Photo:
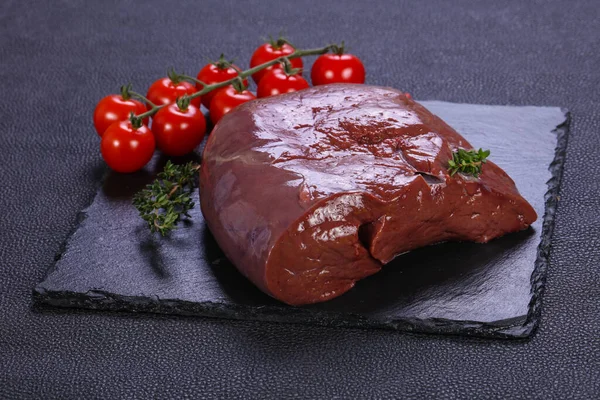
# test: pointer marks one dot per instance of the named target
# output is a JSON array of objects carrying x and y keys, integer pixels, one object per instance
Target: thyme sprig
[
  {"x": 468, "y": 162},
  {"x": 165, "y": 201}
]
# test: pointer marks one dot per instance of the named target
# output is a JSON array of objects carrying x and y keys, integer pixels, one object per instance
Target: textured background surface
[{"x": 59, "y": 58}]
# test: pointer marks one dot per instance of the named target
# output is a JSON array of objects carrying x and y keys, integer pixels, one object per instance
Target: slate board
[{"x": 112, "y": 262}]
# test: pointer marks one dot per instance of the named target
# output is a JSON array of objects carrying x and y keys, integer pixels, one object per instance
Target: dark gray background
[{"x": 58, "y": 58}]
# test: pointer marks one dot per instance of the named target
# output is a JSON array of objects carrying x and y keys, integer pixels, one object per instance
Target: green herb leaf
[
  {"x": 163, "y": 202},
  {"x": 468, "y": 162}
]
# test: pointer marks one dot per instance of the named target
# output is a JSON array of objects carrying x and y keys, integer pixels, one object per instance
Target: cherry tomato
[
  {"x": 278, "y": 81},
  {"x": 165, "y": 91},
  {"x": 225, "y": 100},
  {"x": 270, "y": 51},
  {"x": 216, "y": 72},
  {"x": 125, "y": 148},
  {"x": 337, "y": 68},
  {"x": 178, "y": 130},
  {"x": 113, "y": 108}
]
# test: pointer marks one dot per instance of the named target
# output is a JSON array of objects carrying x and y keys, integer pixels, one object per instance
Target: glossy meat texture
[{"x": 308, "y": 192}]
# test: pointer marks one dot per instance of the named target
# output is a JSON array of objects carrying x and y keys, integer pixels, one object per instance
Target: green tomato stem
[
  {"x": 183, "y": 102},
  {"x": 142, "y": 97},
  {"x": 173, "y": 76},
  {"x": 126, "y": 92},
  {"x": 222, "y": 63},
  {"x": 242, "y": 75},
  {"x": 191, "y": 78},
  {"x": 136, "y": 122}
]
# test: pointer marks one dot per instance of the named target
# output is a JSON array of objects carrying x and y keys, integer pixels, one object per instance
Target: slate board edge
[
  {"x": 538, "y": 276},
  {"x": 516, "y": 328},
  {"x": 103, "y": 301}
]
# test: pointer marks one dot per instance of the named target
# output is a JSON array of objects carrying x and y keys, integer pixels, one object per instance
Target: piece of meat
[{"x": 308, "y": 192}]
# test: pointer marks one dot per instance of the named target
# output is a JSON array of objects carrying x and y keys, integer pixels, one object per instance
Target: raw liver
[{"x": 308, "y": 192}]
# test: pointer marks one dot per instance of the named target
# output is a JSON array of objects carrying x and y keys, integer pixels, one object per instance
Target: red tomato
[
  {"x": 113, "y": 108},
  {"x": 215, "y": 73},
  {"x": 225, "y": 100},
  {"x": 165, "y": 91},
  {"x": 337, "y": 68},
  {"x": 278, "y": 81},
  {"x": 125, "y": 148},
  {"x": 271, "y": 51},
  {"x": 178, "y": 131}
]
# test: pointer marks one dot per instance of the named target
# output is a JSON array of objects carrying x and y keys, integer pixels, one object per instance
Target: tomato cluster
[{"x": 178, "y": 124}]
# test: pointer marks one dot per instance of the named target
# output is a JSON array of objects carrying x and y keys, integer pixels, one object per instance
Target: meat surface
[{"x": 309, "y": 192}]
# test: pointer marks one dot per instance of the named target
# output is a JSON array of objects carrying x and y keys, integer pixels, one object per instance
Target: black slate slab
[{"x": 111, "y": 261}]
